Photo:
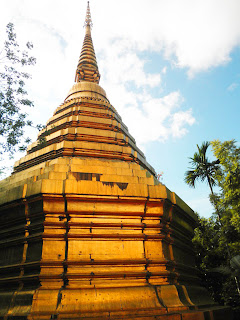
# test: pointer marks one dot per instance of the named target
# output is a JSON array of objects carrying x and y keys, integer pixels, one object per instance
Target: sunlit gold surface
[
  {"x": 87, "y": 231},
  {"x": 87, "y": 69},
  {"x": 89, "y": 89},
  {"x": 96, "y": 238}
]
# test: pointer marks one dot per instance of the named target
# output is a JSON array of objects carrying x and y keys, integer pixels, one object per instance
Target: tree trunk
[{"x": 215, "y": 204}]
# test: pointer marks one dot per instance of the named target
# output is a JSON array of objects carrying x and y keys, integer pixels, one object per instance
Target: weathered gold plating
[{"x": 87, "y": 231}]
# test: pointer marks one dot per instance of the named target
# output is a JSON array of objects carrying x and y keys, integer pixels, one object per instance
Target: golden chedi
[{"x": 87, "y": 231}]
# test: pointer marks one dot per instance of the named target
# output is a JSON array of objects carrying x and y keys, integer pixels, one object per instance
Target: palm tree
[{"x": 202, "y": 169}]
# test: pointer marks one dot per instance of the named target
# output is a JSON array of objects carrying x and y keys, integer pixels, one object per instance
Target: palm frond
[
  {"x": 201, "y": 168},
  {"x": 222, "y": 269},
  {"x": 235, "y": 262},
  {"x": 204, "y": 147},
  {"x": 190, "y": 177}
]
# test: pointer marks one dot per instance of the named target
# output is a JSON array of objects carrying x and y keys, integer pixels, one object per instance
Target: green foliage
[
  {"x": 44, "y": 132},
  {"x": 233, "y": 270},
  {"x": 228, "y": 180},
  {"x": 212, "y": 255},
  {"x": 13, "y": 95},
  {"x": 217, "y": 239}
]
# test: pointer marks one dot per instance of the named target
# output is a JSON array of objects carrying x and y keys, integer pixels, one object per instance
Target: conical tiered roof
[
  {"x": 86, "y": 124},
  {"x": 87, "y": 69}
]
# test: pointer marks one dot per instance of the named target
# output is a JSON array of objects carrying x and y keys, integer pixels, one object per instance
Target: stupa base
[
  {"x": 97, "y": 239},
  {"x": 167, "y": 302},
  {"x": 217, "y": 313}
]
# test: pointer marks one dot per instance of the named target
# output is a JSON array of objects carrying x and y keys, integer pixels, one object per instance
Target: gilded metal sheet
[{"x": 87, "y": 231}]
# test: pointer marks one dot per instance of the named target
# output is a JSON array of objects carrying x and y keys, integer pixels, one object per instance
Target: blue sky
[
  {"x": 171, "y": 69},
  {"x": 214, "y": 96}
]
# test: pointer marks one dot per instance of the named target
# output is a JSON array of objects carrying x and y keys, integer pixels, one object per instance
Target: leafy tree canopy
[
  {"x": 228, "y": 180},
  {"x": 13, "y": 94},
  {"x": 217, "y": 239},
  {"x": 211, "y": 254},
  {"x": 228, "y": 199}
]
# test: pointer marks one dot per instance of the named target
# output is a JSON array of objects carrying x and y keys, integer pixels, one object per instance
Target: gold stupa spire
[
  {"x": 88, "y": 19},
  {"x": 87, "y": 69}
]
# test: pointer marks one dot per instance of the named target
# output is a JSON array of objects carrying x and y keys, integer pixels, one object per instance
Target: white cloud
[
  {"x": 192, "y": 34},
  {"x": 151, "y": 119},
  {"x": 233, "y": 86},
  {"x": 119, "y": 67},
  {"x": 180, "y": 119},
  {"x": 164, "y": 70},
  {"x": 196, "y": 35}
]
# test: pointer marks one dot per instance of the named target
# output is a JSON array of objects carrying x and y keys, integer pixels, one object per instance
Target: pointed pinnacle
[
  {"x": 88, "y": 19},
  {"x": 87, "y": 69}
]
